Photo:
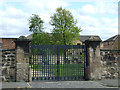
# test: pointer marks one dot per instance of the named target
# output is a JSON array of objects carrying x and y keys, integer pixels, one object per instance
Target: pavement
[
  {"x": 110, "y": 82},
  {"x": 62, "y": 84}
]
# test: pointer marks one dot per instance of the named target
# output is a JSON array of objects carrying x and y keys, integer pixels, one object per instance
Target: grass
[{"x": 64, "y": 69}]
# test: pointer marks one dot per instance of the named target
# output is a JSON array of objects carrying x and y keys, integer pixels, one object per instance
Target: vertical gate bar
[
  {"x": 62, "y": 64},
  {"x": 54, "y": 66},
  {"x": 31, "y": 57},
  {"x": 42, "y": 63},
  {"x": 85, "y": 57},
  {"x": 33, "y": 63},
  {"x": 83, "y": 62},
  {"x": 81, "y": 66},
  {"x": 38, "y": 68},
  {"x": 77, "y": 68},
  {"x": 58, "y": 63},
  {"x": 77, "y": 65},
  {"x": 74, "y": 62},
  {"x": 52, "y": 61},
  {"x": 37, "y": 62},
  {"x": 45, "y": 62},
  {"x": 74, "y": 65},
  {"x": 67, "y": 64},
  {"x": 48, "y": 63}
]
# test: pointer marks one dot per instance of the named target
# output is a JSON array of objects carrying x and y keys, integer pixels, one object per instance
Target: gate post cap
[{"x": 22, "y": 39}]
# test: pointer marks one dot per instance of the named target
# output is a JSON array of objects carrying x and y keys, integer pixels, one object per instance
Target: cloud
[
  {"x": 104, "y": 26},
  {"x": 14, "y": 19},
  {"x": 13, "y": 22},
  {"x": 94, "y": 18},
  {"x": 87, "y": 9}
]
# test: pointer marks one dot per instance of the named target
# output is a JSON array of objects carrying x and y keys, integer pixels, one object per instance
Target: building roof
[
  {"x": 29, "y": 37},
  {"x": 82, "y": 38},
  {"x": 112, "y": 38}
]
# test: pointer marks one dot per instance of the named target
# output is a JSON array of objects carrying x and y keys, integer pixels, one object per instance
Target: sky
[{"x": 95, "y": 17}]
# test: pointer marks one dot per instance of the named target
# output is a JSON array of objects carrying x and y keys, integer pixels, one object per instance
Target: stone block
[{"x": 22, "y": 65}]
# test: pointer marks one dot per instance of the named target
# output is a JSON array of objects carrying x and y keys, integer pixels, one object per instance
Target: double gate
[{"x": 58, "y": 62}]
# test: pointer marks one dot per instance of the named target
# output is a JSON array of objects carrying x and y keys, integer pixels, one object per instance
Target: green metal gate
[{"x": 58, "y": 62}]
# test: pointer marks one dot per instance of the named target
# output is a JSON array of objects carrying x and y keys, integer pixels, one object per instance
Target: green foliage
[
  {"x": 35, "y": 24},
  {"x": 39, "y": 37},
  {"x": 65, "y": 31}
]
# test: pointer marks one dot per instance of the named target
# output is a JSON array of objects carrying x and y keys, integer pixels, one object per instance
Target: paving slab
[
  {"x": 110, "y": 82},
  {"x": 58, "y": 84}
]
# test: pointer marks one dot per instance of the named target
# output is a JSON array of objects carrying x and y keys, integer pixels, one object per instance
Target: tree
[
  {"x": 65, "y": 31},
  {"x": 39, "y": 37},
  {"x": 35, "y": 24}
]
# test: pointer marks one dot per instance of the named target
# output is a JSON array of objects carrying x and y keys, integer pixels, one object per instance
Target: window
[{"x": 78, "y": 44}]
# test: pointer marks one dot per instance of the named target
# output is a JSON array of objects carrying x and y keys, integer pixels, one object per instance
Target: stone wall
[
  {"x": 8, "y": 64},
  {"x": 109, "y": 61},
  {"x": 15, "y": 62}
]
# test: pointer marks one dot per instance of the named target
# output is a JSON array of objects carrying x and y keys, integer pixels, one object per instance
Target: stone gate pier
[{"x": 23, "y": 71}]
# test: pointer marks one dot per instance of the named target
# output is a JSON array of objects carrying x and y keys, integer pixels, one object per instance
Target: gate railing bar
[
  {"x": 41, "y": 74},
  {"x": 42, "y": 63},
  {"x": 84, "y": 60},
  {"x": 52, "y": 65},
  {"x": 33, "y": 64},
  {"x": 58, "y": 67},
  {"x": 48, "y": 63},
  {"x": 67, "y": 63},
  {"x": 38, "y": 69}
]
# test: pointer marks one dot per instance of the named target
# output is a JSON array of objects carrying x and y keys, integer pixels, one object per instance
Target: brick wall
[
  {"x": 108, "y": 45},
  {"x": 8, "y": 43}
]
